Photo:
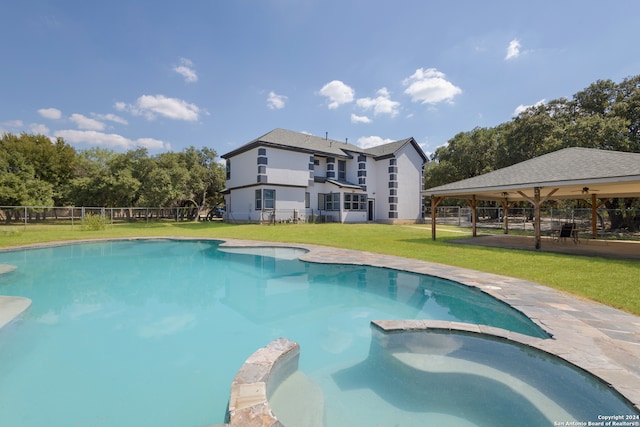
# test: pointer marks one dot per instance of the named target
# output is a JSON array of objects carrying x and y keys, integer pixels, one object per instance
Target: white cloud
[
  {"x": 87, "y": 123},
  {"x": 372, "y": 141},
  {"x": 275, "y": 101},
  {"x": 108, "y": 140},
  {"x": 382, "y": 104},
  {"x": 513, "y": 51},
  {"x": 152, "y": 105},
  {"x": 185, "y": 69},
  {"x": 110, "y": 117},
  {"x": 338, "y": 93},
  {"x": 50, "y": 113},
  {"x": 360, "y": 119},
  {"x": 13, "y": 123},
  {"x": 522, "y": 108},
  {"x": 430, "y": 87},
  {"x": 38, "y": 129}
]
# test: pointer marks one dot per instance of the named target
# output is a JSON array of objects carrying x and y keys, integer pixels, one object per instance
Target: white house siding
[
  {"x": 240, "y": 205},
  {"x": 288, "y": 167},
  {"x": 244, "y": 169},
  {"x": 409, "y": 184},
  {"x": 289, "y": 204},
  {"x": 379, "y": 179}
]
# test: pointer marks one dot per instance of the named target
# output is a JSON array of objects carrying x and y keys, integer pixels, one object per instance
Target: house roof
[
  {"x": 297, "y": 141},
  {"x": 571, "y": 173}
]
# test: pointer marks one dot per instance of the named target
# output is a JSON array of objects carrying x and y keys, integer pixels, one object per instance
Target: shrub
[{"x": 94, "y": 222}]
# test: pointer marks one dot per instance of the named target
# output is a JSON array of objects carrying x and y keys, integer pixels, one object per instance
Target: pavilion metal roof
[{"x": 570, "y": 173}]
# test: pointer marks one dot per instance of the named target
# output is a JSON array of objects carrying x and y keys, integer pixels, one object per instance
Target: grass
[{"x": 612, "y": 282}]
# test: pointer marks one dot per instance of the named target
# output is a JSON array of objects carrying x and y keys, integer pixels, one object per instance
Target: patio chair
[{"x": 568, "y": 230}]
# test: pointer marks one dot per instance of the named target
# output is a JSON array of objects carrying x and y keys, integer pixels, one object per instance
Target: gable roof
[
  {"x": 297, "y": 141},
  {"x": 387, "y": 150},
  {"x": 571, "y": 172}
]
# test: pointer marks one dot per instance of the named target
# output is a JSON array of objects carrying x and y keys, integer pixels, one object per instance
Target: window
[
  {"x": 393, "y": 162},
  {"x": 228, "y": 169},
  {"x": 269, "y": 199},
  {"x": 393, "y": 192},
  {"x": 342, "y": 170},
  {"x": 330, "y": 170},
  {"x": 362, "y": 158},
  {"x": 329, "y": 201},
  {"x": 265, "y": 199},
  {"x": 307, "y": 200},
  {"x": 258, "y": 200},
  {"x": 355, "y": 202},
  {"x": 362, "y": 165},
  {"x": 393, "y": 169},
  {"x": 262, "y": 170},
  {"x": 362, "y": 173},
  {"x": 262, "y": 160},
  {"x": 393, "y": 177},
  {"x": 393, "y": 184},
  {"x": 262, "y": 151}
]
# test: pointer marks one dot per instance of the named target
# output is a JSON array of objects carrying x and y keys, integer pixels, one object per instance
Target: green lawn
[{"x": 613, "y": 282}]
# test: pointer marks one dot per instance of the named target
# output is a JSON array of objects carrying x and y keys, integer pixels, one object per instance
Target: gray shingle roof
[
  {"x": 298, "y": 141},
  {"x": 567, "y": 170}
]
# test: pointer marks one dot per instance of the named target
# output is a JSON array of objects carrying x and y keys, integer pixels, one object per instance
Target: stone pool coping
[{"x": 597, "y": 338}]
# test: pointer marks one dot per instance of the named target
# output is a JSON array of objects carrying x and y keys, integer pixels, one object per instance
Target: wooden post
[
  {"x": 536, "y": 219},
  {"x": 594, "y": 214},
  {"x": 435, "y": 201},
  {"x": 536, "y": 201},
  {"x": 473, "y": 203},
  {"x": 505, "y": 207},
  {"x": 594, "y": 217}
]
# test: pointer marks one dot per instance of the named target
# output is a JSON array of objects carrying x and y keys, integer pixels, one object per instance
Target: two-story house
[{"x": 291, "y": 176}]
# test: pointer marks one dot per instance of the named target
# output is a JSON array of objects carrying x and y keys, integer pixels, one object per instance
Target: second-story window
[{"x": 342, "y": 170}]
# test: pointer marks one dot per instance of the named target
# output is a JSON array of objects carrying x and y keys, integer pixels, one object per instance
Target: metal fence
[
  {"x": 25, "y": 215},
  {"x": 522, "y": 218}
]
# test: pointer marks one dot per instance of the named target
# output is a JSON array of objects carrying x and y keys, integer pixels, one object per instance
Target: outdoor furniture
[{"x": 568, "y": 231}]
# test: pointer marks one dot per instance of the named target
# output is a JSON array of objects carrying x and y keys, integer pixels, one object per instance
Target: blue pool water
[{"x": 141, "y": 333}]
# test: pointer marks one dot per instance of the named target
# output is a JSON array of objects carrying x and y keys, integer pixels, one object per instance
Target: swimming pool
[{"x": 152, "y": 332}]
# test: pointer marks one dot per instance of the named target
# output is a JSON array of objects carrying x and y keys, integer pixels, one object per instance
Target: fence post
[{"x": 25, "y": 217}]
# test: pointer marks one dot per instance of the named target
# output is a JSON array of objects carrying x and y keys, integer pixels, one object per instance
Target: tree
[
  {"x": 466, "y": 155},
  {"x": 45, "y": 167}
]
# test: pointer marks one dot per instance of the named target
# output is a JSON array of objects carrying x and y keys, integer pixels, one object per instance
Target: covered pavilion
[{"x": 571, "y": 173}]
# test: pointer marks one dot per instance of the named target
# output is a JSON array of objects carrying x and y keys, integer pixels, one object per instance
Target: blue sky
[{"x": 167, "y": 75}]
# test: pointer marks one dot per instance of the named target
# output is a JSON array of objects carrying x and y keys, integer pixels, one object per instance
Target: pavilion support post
[
  {"x": 537, "y": 201},
  {"x": 594, "y": 214},
  {"x": 505, "y": 207},
  {"x": 536, "y": 217},
  {"x": 473, "y": 202},
  {"x": 435, "y": 201},
  {"x": 594, "y": 217}
]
